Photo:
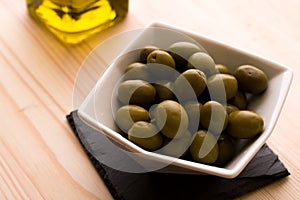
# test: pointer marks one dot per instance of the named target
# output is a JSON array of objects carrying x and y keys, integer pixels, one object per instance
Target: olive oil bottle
[{"x": 74, "y": 20}]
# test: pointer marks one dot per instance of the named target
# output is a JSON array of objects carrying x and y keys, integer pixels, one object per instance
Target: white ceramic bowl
[{"x": 97, "y": 112}]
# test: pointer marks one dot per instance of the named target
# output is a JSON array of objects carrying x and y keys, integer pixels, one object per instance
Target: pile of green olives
[{"x": 180, "y": 101}]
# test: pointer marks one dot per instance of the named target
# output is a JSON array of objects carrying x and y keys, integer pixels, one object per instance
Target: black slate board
[{"x": 263, "y": 169}]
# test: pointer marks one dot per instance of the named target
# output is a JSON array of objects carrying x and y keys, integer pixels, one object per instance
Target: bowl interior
[{"x": 98, "y": 108}]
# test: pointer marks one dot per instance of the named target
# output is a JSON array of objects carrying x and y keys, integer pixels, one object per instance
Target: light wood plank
[
  {"x": 42, "y": 80},
  {"x": 59, "y": 145}
]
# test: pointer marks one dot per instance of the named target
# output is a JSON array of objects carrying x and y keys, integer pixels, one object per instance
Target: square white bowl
[{"x": 268, "y": 105}]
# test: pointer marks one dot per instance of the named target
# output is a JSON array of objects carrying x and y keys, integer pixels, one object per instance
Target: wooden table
[{"x": 39, "y": 156}]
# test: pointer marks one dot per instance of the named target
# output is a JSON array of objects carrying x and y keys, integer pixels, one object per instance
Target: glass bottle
[{"x": 74, "y": 20}]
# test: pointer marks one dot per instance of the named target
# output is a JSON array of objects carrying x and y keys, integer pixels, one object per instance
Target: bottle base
[{"x": 72, "y": 25}]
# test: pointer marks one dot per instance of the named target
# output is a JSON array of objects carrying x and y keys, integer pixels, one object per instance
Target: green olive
[
  {"x": 191, "y": 83},
  {"x": 181, "y": 51},
  {"x": 204, "y": 148},
  {"x": 136, "y": 92},
  {"x": 244, "y": 124},
  {"x": 222, "y": 86},
  {"x": 145, "y": 135},
  {"x": 203, "y": 62},
  {"x": 226, "y": 149},
  {"x": 146, "y": 51},
  {"x": 213, "y": 116},
  {"x": 164, "y": 90},
  {"x": 231, "y": 108},
  {"x": 188, "y": 93},
  {"x": 136, "y": 70},
  {"x": 222, "y": 69},
  {"x": 161, "y": 57},
  {"x": 171, "y": 118},
  {"x": 239, "y": 100},
  {"x": 128, "y": 114},
  {"x": 251, "y": 79},
  {"x": 193, "y": 109}
]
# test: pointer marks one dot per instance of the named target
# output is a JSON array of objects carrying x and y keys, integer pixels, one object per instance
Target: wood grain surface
[{"x": 39, "y": 156}]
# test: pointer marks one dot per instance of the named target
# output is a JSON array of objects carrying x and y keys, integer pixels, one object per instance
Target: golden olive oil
[{"x": 74, "y": 20}]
